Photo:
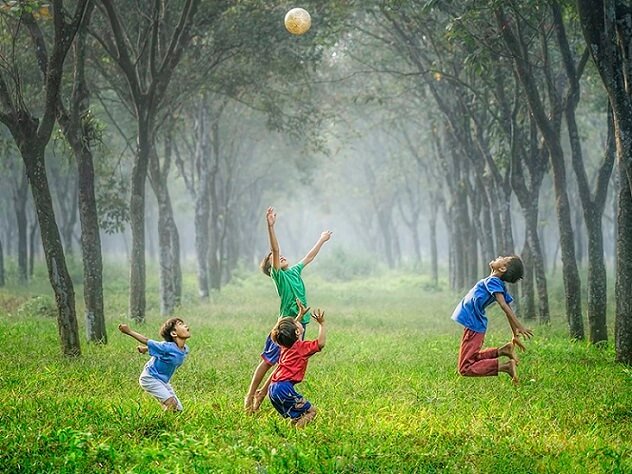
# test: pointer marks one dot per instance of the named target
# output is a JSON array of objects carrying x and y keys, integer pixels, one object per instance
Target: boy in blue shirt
[
  {"x": 470, "y": 313},
  {"x": 166, "y": 357}
]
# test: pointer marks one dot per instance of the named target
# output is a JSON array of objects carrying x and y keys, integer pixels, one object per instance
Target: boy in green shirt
[{"x": 290, "y": 287}]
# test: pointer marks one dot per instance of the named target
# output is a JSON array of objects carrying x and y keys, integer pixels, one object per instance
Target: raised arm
[
  {"x": 324, "y": 237},
  {"x": 124, "y": 328},
  {"x": 274, "y": 244},
  {"x": 516, "y": 327},
  {"x": 319, "y": 316}
]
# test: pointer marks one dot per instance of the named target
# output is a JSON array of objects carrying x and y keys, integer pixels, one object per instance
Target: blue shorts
[
  {"x": 287, "y": 401},
  {"x": 271, "y": 351}
]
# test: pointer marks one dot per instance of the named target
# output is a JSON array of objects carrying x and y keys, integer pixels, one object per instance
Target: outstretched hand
[
  {"x": 319, "y": 316},
  {"x": 325, "y": 235},
  {"x": 270, "y": 216},
  {"x": 301, "y": 309},
  {"x": 142, "y": 349},
  {"x": 524, "y": 332}
]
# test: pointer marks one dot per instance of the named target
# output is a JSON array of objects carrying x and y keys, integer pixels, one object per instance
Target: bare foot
[
  {"x": 248, "y": 402},
  {"x": 508, "y": 350},
  {"x": 509, "y": 367},
  {"x": 303, "y": 420},
  {"x": 260, "y": 396}
]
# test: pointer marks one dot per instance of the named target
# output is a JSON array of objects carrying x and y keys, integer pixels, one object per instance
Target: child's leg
[
  {"x": 269, "y": 356},
  {"x": 161, "y": 391},
  {"x": 257, "y": 377},
  {"x": 306, "y": 418},
  {"x": 473, "y": 361}
]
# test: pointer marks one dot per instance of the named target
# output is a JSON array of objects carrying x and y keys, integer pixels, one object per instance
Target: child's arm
[
  {"x": 274, "y": 243},
  {"x": 516, "y": 327},
  {"x": 319, "y": 316},
  {"x": 124, "y": 328},
  {"x": 324, "y": 237}
]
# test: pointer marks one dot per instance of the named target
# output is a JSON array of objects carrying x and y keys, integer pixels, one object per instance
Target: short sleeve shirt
[
  {"x": 289, "y": 285},
  {"x": 470, "y": 312},
  {"x": 166, "y": 357},
  {"x": 293, "y": 361}
]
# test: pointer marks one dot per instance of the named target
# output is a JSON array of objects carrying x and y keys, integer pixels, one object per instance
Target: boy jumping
[{"x": 470, "y": 313}]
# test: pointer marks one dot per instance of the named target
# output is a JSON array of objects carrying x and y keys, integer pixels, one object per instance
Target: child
[
  {"x": 470, "y": 313},
  {"x": 290, "y": 288},
  {"x": 166, "y": 357},
  {"x": 288, "y": 333}
]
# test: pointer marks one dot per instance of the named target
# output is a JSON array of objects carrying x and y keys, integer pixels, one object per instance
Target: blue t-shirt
[
  {"x": 166, "y": 357},
  {"x": 470, "y": 312}
]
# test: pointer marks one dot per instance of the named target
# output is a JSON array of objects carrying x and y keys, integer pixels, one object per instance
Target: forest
[{"x": 141, "y": 143}]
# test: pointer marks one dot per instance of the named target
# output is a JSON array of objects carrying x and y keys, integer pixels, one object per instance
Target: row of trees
[{"x": 439, "y": 111}]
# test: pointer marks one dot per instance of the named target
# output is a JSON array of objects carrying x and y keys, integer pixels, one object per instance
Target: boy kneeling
[{"x": 292, "y": 365}]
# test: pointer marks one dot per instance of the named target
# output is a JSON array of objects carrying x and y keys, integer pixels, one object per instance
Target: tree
[
  {"x": 605, "y": 25},
  {"x": 32, "y": 134}
]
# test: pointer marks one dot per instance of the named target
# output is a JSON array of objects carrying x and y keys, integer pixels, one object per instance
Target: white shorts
[{"x": 160, "y": 390}]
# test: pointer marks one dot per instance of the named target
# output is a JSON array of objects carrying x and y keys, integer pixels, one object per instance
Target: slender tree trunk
[
  {"x": 526, "y": 286},
  {"x": 434, "y": 257},
  {"x": 202, "y": 201},
  {"x": 53, "y": 251},
  {"x": 2, "y": 282},
  {"x": 137, "y": 276},
  {"x": 32, "y": 241},
  {"x": 623, "y": 285},
  {"x": 19, "y": 204}
]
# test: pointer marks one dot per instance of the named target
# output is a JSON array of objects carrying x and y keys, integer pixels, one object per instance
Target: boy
[
  {"x": 288, "y": 333},
  {"x": 166, "y": 357},
  {"x": 290, "y": 288},
  {"x": 470, "y": 313}
]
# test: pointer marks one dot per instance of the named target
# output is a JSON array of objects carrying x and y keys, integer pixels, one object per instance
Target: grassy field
[{"x": 386, "y": 387}]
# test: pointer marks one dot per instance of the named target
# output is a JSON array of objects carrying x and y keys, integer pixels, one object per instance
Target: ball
[{"x": 297, "y": 21}]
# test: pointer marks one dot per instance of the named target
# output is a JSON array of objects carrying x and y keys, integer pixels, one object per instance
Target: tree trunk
[
  {"x": 202, "y": 201},
  {"x": 434, "y": 257},
  {"x": 53, "y": 251},
  {"x": 623, "y": 285},
  {"x": 32, "y": 241},
  {"x": 526, "y": 287},
  {"x": 2, "y": 282},
  {"x": 19, "y": 204},
  {"x": 137, "y": 275}
]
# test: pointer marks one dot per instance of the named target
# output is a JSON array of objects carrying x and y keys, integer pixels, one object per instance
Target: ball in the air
[{"x": 297, "y": 21}]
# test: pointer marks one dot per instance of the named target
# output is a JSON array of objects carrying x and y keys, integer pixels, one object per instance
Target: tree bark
[
  {"x": 623, "y": 285},
  {"x": 2, "y": 281},
  {"x": 20, "y": 191}
]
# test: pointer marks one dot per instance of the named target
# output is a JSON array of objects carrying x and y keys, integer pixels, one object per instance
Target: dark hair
[
  {"x": 284, "y": 332},
  {"x": 265, "y": 264},
  {"x": 168, "y": 326},
  {"x": 515, "y": 270}
]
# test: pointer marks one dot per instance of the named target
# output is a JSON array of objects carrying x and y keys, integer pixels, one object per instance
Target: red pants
[{"x": 474, "y": 362}]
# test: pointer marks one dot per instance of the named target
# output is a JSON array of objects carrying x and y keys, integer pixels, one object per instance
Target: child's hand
[
  {"x": 142, "y": 349},
  {"x": 325, "y": 236},
  {"x": 270, "y": 216},
  {"x": 301, "y": 309},
  {"x": 516, "y": 342},
  {"x": 124, "y": 328},
  {"x": 319, "y": 316}
]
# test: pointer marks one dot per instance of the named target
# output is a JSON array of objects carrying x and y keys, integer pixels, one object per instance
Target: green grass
[{"x": 386, "y": 388}]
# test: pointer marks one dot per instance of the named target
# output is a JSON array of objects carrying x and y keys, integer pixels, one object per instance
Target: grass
[{"x": 386, "y": 388}]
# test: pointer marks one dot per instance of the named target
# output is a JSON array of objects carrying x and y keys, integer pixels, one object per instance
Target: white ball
[{"x": 297, "y": 21}]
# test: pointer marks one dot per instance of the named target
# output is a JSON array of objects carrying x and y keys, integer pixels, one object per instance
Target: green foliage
[
  {"x": 342, "y": 265},
  {"x": 386, "y": 387}
]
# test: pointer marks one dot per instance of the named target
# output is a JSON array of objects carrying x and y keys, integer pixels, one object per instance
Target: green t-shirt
[{"x": 289, "y": 286}]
